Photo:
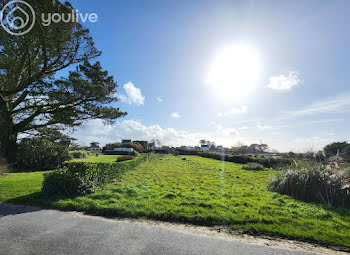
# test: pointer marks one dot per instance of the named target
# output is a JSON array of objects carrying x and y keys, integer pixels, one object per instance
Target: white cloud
[
  {"x": 243, "y": 128},
  {"x": 160, "y": 99},
  {"x": 95, "y": 130},
  {"x": 175, "y": 115},
  {"x": 263, "y": 127},
  {"x": 133, "y": 95},
  {"x": 284, "y": 82},
  {"x": 233, "y": 111},
  {"x": 339, "y": 104},
  {"x": 220, "y": 130}
]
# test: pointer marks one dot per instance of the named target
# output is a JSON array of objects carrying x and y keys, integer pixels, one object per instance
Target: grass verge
[{"x": 201, "y": 191}]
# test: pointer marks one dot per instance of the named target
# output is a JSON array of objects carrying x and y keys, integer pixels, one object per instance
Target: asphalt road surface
[{"x": 34, "y": 231}]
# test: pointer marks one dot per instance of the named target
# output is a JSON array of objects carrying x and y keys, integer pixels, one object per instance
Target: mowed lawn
[
  {"x": 99, "y": 158},
  {"x": 207, "y": 192},
  {"x": 14, "y": 185}
]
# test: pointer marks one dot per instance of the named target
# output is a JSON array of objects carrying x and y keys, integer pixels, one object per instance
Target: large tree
[{"x": 33, "y": 94}]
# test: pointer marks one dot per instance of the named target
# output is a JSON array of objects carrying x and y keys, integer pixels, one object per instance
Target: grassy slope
[
  {"x": 15, "y": 185},
  {"x": 199, "y": 191},
  {"x": 100, "y": 158}
]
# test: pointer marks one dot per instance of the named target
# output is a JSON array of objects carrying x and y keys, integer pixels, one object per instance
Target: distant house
[
  {"x": 96, "y": 149},
  {"x": 143, "y": 143},
  {"x": 262, "y": 155},
  {"x": 151, "y": 146},
  {"x": 205, "y": 147},
  {"x": 126, "y": 141},
  {"x": 219, "y": 147},
  {"x": 124, "y": 149}
]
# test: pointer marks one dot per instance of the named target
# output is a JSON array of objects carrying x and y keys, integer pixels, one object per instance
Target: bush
[
  {"x": 38, "y": 154},
  {"x": 125, "y": 158},
  {"x": 253, "y": 166},
  {"x": 134, "y": 153},
  {"x": 66, "y": 182},
  {"x": 333, "y": 148},
  {"x": 345, "y": 153},
  {"x": 79, "y": 154},
  {"x": 79, "y": 178},
  {"x": 318, "y": 184}
]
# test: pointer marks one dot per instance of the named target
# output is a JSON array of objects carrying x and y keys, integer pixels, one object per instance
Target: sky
[{"x": 232, "y": 72}]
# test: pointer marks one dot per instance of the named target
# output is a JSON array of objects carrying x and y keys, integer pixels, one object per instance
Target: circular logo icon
[{"x": 17, "y": 17}]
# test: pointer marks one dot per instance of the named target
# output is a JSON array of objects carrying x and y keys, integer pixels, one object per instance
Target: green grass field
[
  {"x": 14, "y": 185},
  {"x": 205, "y": 192},
  {"x": 100, "y": 158}
]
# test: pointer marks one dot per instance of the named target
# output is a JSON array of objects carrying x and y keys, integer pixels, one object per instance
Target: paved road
[{"x": 34, "y": 231}]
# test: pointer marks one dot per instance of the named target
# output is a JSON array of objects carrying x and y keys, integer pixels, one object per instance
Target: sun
[{"x": 235, "y": 71}]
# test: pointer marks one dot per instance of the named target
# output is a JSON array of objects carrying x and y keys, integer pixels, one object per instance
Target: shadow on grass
[
  {"x": 7, "y": 209},
  {"x": 29, "y": 203}
]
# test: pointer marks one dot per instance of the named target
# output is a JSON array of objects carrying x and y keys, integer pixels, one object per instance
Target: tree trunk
[
  {"x": 10, "y": 148},
  {"x": 8, "y": 142}
]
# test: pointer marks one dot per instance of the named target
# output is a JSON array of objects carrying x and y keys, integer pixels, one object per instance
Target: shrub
[
  {"x": 188, "y": 152},
  {"x": 79, "y": 154},
  {"x": 79, "y": 178},
  {"x": 134, "y": 153},
  {"x": 333, "y": 148},
  {"x": 318, "y": 184},
  {"x": 253, "y": 166},
  {"x": 38, "y": 154},
  {"x": 125, "y": 158},
  {"x": 345, "y": 153},
  {"x": 65, "y": 182}
]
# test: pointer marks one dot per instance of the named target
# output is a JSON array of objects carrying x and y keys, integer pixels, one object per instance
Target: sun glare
[{"x": 235, "y": 71}]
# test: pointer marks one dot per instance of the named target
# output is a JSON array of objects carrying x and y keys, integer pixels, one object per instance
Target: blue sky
[{"x": 165, "y": 50}]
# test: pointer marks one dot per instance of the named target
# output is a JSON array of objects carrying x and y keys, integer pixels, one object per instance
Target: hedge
[
  {"x": 266, "y": 162},
  {"x": 132, "y": 153},
  {"x": 78, "y": 178}
]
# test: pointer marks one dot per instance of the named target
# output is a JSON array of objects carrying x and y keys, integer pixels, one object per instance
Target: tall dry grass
[{"x": 312, "y": 182}]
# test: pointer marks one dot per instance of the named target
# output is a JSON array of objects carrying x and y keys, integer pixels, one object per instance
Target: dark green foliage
[
  {"x": 266, "y": 162},
  {"x": 33, "y": 94},
  {"x": 54, "y": 134},
  {"x": 131, "y": 153},
  {"x": 78, "y": 178},
  {"x": 345, "y": 153},
  {"x": 252, "y": 166},
  {"x": 136, "y": 146},
  {"x": 65, "y": 182},
  {"x": 314, "y": 184},
  {"x": 188, "y": 152},
  {"x": 40, "y": 154},
  {"x": 116, "y": 152},
  {"x": 168, "y": 150},
  {"x": 333, "y": 148},
  {"x": 125, "y": 158}
]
